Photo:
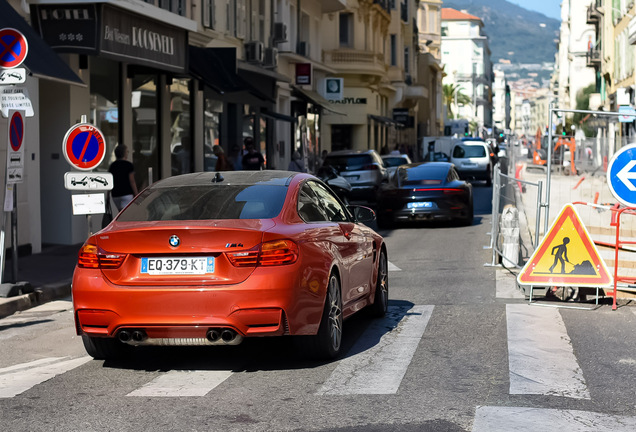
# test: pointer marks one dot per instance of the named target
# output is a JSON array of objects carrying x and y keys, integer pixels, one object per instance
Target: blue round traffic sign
[
  {"x": 621, "y": 175},
  {"x": 16, "y": 131},
  {"x": 13, "y": 48},
  {"x": 84, "y": 146}
]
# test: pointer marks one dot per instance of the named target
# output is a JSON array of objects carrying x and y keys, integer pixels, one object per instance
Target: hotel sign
[{"x": 108, "y": 31}]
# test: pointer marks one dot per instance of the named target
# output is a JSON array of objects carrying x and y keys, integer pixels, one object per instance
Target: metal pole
[
  {"x": 538, "y": 217},
  {"x": 546, "y": 203},
  {"x": 14, "y": 234}
]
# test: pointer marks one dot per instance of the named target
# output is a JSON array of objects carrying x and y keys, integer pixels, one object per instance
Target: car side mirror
[{"x": 362, "y": 214}]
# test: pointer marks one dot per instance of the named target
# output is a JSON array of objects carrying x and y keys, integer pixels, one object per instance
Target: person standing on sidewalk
[{"x": 124, "y": 185}]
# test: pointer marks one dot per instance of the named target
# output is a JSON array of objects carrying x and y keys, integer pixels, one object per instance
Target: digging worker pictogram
[{"x": 561, "y": 254}]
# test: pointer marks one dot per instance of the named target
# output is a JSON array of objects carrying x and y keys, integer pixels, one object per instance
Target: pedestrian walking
[
  {"x": 124, "y": 185},
  {"x": 222, "y": 162},
  {"x": 253, "y": 160},
  {"x": 296, "y": 163}
]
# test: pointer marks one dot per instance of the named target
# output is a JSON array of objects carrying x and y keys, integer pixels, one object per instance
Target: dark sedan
[{"x": 425, "y": 191}]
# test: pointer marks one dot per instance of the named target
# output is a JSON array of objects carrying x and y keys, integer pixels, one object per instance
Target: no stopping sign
[{"x": 84, "y": 146}]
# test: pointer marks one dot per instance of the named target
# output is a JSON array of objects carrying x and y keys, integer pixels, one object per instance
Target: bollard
[{"x": 510, "y": 236}]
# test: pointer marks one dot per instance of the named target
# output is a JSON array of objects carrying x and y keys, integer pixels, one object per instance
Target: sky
[{"x": 549, "y": 8}]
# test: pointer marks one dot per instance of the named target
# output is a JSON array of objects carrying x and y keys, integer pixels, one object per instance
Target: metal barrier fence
[{"x": 504, "y": 231}]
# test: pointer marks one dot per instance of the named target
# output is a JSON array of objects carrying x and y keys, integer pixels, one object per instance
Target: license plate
[
  {"x": 353, "y": 177},
  {"x": 469, "y": 165},
  {"x": 177, "y": 265},
  {"x": 424, "y": 204}
]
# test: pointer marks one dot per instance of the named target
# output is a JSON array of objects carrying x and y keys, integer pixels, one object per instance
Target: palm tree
[{"x": 453, "y": 95}]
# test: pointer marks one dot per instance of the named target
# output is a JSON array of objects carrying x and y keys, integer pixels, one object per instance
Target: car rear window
[
  {"x": 393, "y": 161},
  {"x": 206, "y": 202},
  {"x": 422, "y": 175},
  {"x": 468, "y": 151},
  {"x": 349, "y": 162}
]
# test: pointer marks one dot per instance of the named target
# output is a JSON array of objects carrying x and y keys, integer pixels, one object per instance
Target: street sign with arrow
[{"x": 621, "y": 175}]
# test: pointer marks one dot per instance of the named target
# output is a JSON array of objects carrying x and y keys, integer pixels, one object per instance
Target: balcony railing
[
  {"x": 593, "y": 58},
  {"x": 355, "y": 60},
  {"x": 594, "y": 14}
]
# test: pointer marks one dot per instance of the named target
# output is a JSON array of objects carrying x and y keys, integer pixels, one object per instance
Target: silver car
[
  {"x": 472, "y": 159},
  {"x": 363, "y": 169},
  {"x": 392, "y": 161}
]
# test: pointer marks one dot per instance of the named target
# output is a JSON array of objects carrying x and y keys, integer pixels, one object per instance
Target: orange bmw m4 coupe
[{"x": 214, "y": 258}]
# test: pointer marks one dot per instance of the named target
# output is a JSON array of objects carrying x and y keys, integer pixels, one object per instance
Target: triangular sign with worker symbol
[{"x": 566, "y": 256}]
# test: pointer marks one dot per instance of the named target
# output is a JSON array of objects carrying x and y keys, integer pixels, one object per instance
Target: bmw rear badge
[{"x": 174, "y": 241}]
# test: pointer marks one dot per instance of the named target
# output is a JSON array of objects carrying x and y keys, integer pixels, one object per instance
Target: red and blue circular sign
[
  {"x": 84, "y": 146},
  {"x": 13, "y": 48},
  {"x": 16, "y": 131}
]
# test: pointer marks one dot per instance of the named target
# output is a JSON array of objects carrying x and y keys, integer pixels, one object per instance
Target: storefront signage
[
  {"x": 350, "y": 101},
  {"x": 401, "y": 115},
  {"x": 68, "y": 28},
  {"x": 303, "y": 73},
  {"x": 333, "y": 89},
  {"x": 112, "y": 32},
  {"x": 15, "y": 98}
]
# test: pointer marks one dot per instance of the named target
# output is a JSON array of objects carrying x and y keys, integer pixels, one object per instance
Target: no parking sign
[
  {"x": 15, "y": 152},
  {"x": 84, "y": 146},
  {"x": 13, "y": 48}
]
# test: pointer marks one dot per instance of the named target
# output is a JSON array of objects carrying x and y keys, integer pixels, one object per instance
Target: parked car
[
  {"x": 213, "y": 258},
  {"x": 425, "y": 191},
  {"x": 473, "y": 161},
  {"x": 364, "y": 170},
  {"x": 492, "y": 146},
  {"x": 392, "y": 161}
]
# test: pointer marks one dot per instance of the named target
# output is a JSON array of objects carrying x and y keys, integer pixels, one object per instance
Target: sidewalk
[{"x": 49, "y": 273}]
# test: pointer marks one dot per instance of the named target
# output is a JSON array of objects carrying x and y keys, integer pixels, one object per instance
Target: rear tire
[
  {"x": 325, "y": 345},
  {"x": 381, "y": 298},
  {"x": 105, "y": 348}
]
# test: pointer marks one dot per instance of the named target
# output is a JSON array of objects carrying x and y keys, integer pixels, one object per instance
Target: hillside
[{"x": 515, "y": 34}]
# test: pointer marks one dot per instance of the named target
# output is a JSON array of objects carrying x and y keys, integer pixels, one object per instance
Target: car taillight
[
  {"x": 90, "y": 256},
  {"x": 370, "y": 167},
  {"x": 273, "y": 253},
  {"x": 449, "y": 191}
]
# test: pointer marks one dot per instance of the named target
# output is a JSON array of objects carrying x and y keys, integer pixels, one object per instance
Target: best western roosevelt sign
[{"x": 108, "y": 31}]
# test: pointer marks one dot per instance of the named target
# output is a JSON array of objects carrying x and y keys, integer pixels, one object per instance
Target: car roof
[
  {"x": 275, "y": 177},
  {"x": 350, "y": 152},
  {"x": 473, "y": 139},
  {"x": 394, "y": 156}
]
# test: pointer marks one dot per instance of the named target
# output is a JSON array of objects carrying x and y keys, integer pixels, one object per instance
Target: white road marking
[
  {"x": 393, "y": 267},
  {"x": 379, "y": 359},
  {"x": 540, "y": 354},
  {"x": 506, "y": 419},
  {"x": 20, "y": 378},
  {"x": 182, "y": 383}
]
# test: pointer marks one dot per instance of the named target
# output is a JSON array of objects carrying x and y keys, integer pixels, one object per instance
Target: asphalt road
[{"x": 450, "y": 356}]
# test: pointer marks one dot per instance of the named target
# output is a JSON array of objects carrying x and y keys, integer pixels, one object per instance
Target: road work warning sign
[{"x": 566, "y": 256}]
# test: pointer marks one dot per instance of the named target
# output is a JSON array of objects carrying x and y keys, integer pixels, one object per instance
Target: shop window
[
  {"x": 212, "y": 134},
  {"x": 104, "y": 90},
  {"x": 145, "y": 132},
  {"x": 181, "y": 136}
]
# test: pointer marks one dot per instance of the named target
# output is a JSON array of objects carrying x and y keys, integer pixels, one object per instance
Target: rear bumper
[
  {"x": 425, "y": 215},
  {"x": 264, "y": 305}
]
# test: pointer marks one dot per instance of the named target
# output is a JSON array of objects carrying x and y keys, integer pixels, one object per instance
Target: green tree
[{"x": 453, "y": 93}]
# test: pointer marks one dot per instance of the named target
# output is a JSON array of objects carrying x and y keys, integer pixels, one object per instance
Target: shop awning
[
  {"x": 316, "y": 99},
  {"x": 41, "y": 60},
  {"x": 385, "y": 120},
  {"x": 277, "y": 116},
  {"x": 216, "y": 68}
]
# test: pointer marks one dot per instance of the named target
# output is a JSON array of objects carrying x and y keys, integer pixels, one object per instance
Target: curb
[{"x": 41, "y": 295}]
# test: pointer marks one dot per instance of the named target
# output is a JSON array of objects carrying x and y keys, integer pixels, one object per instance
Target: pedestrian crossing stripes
[
  {"x": 20, "y": 378},
  {"x": 183, "y": 383},
  {"x": 541, "y": 360},
  {"x": 506, "y": 419},
  {"x": 540, "y": 354},
  {"x": 379, "y": 359}
]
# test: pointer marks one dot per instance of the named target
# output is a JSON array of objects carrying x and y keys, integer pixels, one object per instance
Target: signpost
[
  {"x": 84, "y": 148},
  {"x": 13, "y": 51},
  {"x": 621, "y": 175}
]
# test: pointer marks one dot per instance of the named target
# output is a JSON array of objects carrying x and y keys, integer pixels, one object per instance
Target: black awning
[
  {"x": 216, "y": 68},
  {"x": 41, "y": 60},
  {"x": 277, "y": 116},
  {"x": 316, "y": 99},
  {"x": 385, "y": 120}
]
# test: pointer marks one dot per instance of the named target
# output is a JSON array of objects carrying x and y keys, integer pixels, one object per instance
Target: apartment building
[{"x": 466, "y": 59}]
